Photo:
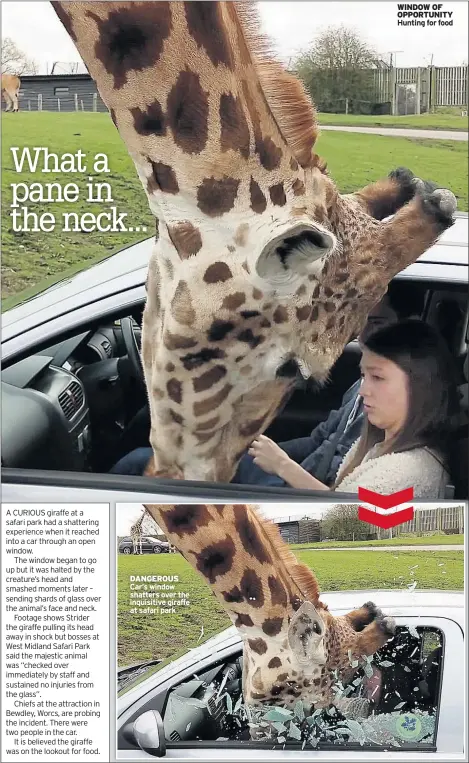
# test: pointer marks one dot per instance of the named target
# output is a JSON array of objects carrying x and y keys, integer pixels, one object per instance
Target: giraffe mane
[{"x": 286, "y": 96}]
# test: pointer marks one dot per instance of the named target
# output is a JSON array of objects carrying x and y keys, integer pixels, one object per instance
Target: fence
[
  {"x": 32, "y": 101},
  {"x": 434, "y": 86},
  {"x": 443, "y": 519}
]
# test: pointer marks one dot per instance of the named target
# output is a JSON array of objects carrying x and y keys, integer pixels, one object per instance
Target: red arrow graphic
[{"x": 385, "y": 503}]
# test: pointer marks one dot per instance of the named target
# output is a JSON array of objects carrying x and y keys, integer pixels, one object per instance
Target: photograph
[
  {"x": 278, "y": 625},
  {"x": 234, "y": 387}
]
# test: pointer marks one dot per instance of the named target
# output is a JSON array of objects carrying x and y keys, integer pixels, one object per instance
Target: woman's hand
[{"x": 267, "y": 454}]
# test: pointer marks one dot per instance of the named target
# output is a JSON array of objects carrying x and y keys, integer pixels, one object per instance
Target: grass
[
  {"x": 33, "y": 261},
  {"x": 152, "y": 636},
  {"x": 402, "y": 540},
  {"x": 413, "y": 121}
]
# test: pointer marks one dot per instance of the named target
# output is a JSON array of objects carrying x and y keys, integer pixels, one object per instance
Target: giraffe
[
  {"x": 136, "y": 533},
  {"x": 292, "y": 644},
  {"x": 262, "y": 270},
  {"x": 11, "y": 84}
]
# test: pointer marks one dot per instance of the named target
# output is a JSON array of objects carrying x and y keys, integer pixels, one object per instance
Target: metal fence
[
  {"x": 76, "y": 102},
  {"x": 434, "y": 86}
]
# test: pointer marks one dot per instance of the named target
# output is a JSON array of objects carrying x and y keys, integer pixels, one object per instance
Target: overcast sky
[{"x": 36, "y": 29}]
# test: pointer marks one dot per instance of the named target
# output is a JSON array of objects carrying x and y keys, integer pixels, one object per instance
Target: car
[
  {"x": 149, "y": 545},
  {"x": 73, "y": 396},
  {"x": 191, "y": 707}
]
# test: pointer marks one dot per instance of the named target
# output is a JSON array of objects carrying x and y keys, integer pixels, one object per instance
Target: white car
[{"x": 192, "y": 707}]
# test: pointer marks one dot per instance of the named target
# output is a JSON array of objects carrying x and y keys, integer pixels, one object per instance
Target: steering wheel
[{"x": 131, "y": 346}]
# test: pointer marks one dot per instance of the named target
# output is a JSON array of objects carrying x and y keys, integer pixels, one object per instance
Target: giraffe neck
[{"x": 238, "y": 555}]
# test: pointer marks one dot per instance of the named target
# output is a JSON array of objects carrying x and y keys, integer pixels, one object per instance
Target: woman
[{"x": 409, "y": 398}]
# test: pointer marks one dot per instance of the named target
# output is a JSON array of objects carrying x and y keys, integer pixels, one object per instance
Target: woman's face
[{"x": 384, "y": 389}]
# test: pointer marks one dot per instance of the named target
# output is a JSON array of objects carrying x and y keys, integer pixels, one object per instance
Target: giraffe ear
[
  {"x": 295, "y": 252},
  {"x": 305, "y": 635}
]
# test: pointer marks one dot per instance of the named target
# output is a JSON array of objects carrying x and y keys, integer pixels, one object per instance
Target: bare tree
[
  {"x": 340, "y": 522},
  {"x": 338, "y": 66},
  {"x": 14, "y": 61}
]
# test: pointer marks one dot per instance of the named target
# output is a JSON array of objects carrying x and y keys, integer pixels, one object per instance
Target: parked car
[
  {"x": 191, "y": 707},
  {"x": 149, "y": 545},
  {"x": 73, "y": 395}
]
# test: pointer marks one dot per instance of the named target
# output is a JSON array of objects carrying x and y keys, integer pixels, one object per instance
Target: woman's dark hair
[{"x": 422, "y": 354}]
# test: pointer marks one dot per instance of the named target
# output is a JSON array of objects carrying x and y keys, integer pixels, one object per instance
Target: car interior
[
  {"x": 80, "y": 404},
  {"x": 208, "y": 707}
]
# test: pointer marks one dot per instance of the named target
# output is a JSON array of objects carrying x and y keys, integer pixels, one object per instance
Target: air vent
[
  {"x": 71, "y": 400},
  {"x": 107, "y": 348},
  {"x": 175, "y": 736}
]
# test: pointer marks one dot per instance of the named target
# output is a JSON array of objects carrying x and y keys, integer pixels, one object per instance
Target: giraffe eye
[{"x": 316, "y": 628}]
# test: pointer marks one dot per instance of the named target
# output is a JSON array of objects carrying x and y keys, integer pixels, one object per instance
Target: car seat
[{"x": 459, "y": 452}]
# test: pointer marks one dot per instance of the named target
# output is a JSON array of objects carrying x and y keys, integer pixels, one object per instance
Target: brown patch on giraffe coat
[
  {"x": 196, "y": 359},
  {"x": 293, "y": 164},
  {"x": 186, "y": 238},
  {"x": 258, "y": 200},
  {"x": 278, "y": 595},
  {"x": 232, "y": 301},
  {"x": 151, "y": 121},
  {"x": 249, "y": 536},
  {"x": 303, "y": 313},
  {"x": 216, "y": 197},
  {"x": 245, "y": 620},
  {"x": 205, "y": 25},
  {"x": 280, "y": 314},
  {"x": 209, "y": 378},
  {"x": 252, "y": 427},
  {"x": 269, "y": 154},
  {"x": 298, "y": 187},
  {"x": 257, "y": 294},
  {"x": 233, "y": 125},
  {"x": 186, "y": 518},
  {"x": 302, "y": 290},
  {"x": 131, "y": 39},
  {"x": 241, "y": 235},
  {"x": 174, "y": 388},
  {"x": 163, "y": 179},
  {"x": 257, "y": 695},
  {"x": 283, "y": 676},
  {"x": 209, "y": 424},
  {"x": 170, "y": 367},
  {"x": 275, "y": 662},
  {"x": 177, "y": 342},
  {"x": 204, "y": 437},
  {"x": 250, "y": 339},
  {"x": 245, "y": 370},
  {"x": 181, "y": 305},
  {"x": 219, "y": 330},
  {"x": 234, "y": 596},
  {"x": 251, "y": 589},
  {"x": 207, "y": 405},
  {"x": 219, "y": 272},
  {"x": 187, "y": 113},
  {"x": 216, "y": 559},
  {"x": 176, "y": 417},
  {"x": 258, "y": 645},
  {"x": 329, "y": 307},
  {"x": 277, "y": 195},
  {"x": 272, "y": 626}
]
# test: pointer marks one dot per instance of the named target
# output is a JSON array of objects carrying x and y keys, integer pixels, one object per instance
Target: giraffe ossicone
[{"x": 259, "y": 259}]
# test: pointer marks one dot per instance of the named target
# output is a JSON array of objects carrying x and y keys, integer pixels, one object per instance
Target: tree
[
  {"x": 14, "y": 61},
  {"x": 340, "y": 522},
  {"x": 338, "y": 66}
]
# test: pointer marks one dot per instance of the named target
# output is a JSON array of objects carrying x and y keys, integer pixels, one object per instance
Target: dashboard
[{"x": 51, "y": 400}]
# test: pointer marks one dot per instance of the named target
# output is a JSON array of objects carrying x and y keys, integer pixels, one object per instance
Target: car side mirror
[{"x": 148, "y": 732}]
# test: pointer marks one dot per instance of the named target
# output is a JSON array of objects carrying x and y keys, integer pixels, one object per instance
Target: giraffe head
[
  {"x": 259, "y": 260},
  {"x": 292, "y": 644}
]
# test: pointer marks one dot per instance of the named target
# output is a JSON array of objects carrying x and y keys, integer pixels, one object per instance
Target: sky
[{"x": 37, "y": 30}]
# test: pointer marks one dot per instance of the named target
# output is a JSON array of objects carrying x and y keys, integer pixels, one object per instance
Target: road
[
  {"x": 384, "y": 548},
  {"x": 400, "y": 132}
]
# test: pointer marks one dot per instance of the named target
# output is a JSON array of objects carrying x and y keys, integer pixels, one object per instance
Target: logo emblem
[
  {"x": 408, "y": 726},
  {"x": 381, "y": 515}
]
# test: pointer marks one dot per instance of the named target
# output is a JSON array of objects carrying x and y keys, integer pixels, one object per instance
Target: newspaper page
[{"x": 234, "y": 410}]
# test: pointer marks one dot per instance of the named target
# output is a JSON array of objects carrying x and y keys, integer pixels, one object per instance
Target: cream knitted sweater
[{"x": 417, "y": 468}]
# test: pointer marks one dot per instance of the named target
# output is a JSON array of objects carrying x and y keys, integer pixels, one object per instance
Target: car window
[{"x": 400, "y": 683}]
